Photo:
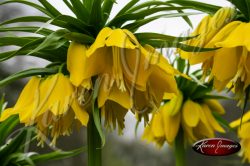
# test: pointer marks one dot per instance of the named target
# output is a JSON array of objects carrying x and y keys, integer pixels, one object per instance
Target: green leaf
[
  {"x": 38, "y": 30},
  {"x": 218, "y": 97},
  {"x": 222, "y": 121},
  {"x": 80, "y": 10},
  {"x": 52, "y": 39},
  {"x": 195, "y": 49},
  {"x": 88, "y": 4},
  {"x": 121, "y": 19},
  {"x": 96, "y": 15},
  {"x": 96, "y": 111},
  {"x": 137, "y": 24},
  {"x": 80, "y": 38},
  {"x": 6, "y": 127},
  {"x": 33, "y": 5},
  {"x": 27, "y": 73},
  {"x": 242, "y": 5},
  {"x": 26, "y": 19},
  {"x": 18, "y": 159},
  {"x": 69, "y": 6},
  {"x": 146, "y": 5},
  {"x": 208, "y": 8},
  {"x": 158, "y": 36},
  {"x": 248, "y": 8},
  {"x": 57, "y": 155},
  {"x": 127, "y": 7},
  {"x": 58, "y": 55},
  {"x": 53, "y": 11},
  {"x": 16, "y": 41},
  {"x": 181, "y": 64},
  {"x": 106, "y": 9},
  {"x": 13, "y": 145}
]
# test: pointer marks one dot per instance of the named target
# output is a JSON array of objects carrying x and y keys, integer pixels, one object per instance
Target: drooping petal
[
  {"x": 214, "y": 105},
  {"x": 243, "y": 132},
  {"x": 76, "y": 60},
  {"x": 244, "y": 119},
  {"x": 157, "y": 125},
  {"x": 191, "y": 113},
  {"x": 171, "y": 123},
  {"x": 225, "y": 63},
  {"x": 238, "y": 37},
  {"x": 210, "y": 118}
]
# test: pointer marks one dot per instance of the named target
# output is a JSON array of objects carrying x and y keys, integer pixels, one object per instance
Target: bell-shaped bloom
[
  {"x": 195, "y": 119},
  {"x": 206, "y": 32},
  {"x": 229, "y": 65},
  {"x": 133, "y": 76},
  {"x": 51, "y": 105},
  {"x": 243, "y": 126}
]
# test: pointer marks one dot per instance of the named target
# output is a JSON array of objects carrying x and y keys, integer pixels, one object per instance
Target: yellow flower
[
  {"x": 230, "y": 64},
  {"x": 131, "y": 76},
  {"x": 243, "y": 134},
  {"x": 195, "y": 119},
  {"x": 50, "y": 104}
]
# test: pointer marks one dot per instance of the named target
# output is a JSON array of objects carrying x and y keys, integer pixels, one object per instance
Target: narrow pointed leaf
[
  {"x": 38, "y": 30},
  {"x": 79, "y": 37},
  {"x": 27, "y": 73},
  {"x": 53, "y": 11},
  {"x": 96, "y": 112},
  {"x": 208, "y": 8},
  {"x": 106, "y": 9},
  {"x": 127, "y": 7},
  {"x": 80, "y": 10},
  {"x": 25, "y": 2},
  {"x": 57, "y": 155},
  {"x": 6, "y": 127},
  {"x": 15, "y": 41},
  {"x": 153, "y": 36},
  {"x": 96, "y": 15}
]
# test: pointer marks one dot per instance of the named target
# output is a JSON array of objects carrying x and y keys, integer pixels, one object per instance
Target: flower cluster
[
  {"x": 194, "y": 118},
  {"x": 51, "y": 104},
  {"x": 131, "y": 76},
  {"x": 230, "y": 39}
]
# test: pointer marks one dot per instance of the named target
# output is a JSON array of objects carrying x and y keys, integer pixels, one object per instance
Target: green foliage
[{"x": 13, "y": 142}]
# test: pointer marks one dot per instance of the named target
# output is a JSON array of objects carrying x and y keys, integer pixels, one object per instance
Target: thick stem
[
  {"x": 179, "y": 149},
  {"x": 94, "y": 144}
]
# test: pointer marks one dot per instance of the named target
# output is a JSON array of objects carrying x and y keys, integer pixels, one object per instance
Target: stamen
[{"x": 117, "y": 68}]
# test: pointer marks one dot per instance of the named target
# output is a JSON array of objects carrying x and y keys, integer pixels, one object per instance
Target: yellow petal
[
  {"x": 76, "y": 60},
  {"x": 245, "y": 118},
  {"x": 243, "y": 132},
  {"x": 175, "y": 104},
  {"x": 80, "y": 113},
  {"x": 157, "y": 125},
  {"x": 203, "y": 131},
  {"x": 238, "y": 37},
  {"x": 171, "y": 123},
  {"x": 188, "y": 131},
  {"x": 210, "y": 118},
  {"x": 191, "y": 113},
  {"x": 100, "y": 40},
  {"x": 227, "y": 69},
  {"x": 7, "y": 113},
  {"x": 119, "y": 38},
  {"x": 215, "y": 106},
  {"x": 27, "y": 95}
]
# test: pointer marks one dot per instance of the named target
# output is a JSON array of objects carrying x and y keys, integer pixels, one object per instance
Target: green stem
[
  {"x": 94, "y": 144},
  {"x": 179, "y": 149}
]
